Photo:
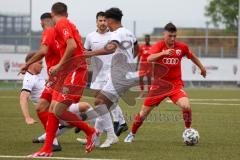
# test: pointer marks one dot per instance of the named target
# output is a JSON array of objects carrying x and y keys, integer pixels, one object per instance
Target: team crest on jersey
[
  {"x": 65, "y": 32},
  {"x": 178, "y": 52}
]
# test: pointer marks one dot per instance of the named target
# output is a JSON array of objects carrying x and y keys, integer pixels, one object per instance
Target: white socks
[{"x": 117, "y": 114}]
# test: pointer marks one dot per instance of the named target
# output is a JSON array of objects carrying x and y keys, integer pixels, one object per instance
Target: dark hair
[
  {"x": 170, "y": 27},
  {"x": 114, "y": 13},
  {"x": 29, "y": 56},
  {"x": 45, "y": 15},
  {"x": 100, "y": 14},
  {"x": 147, "y": 36},
  {"x": 59, "y": 8}
]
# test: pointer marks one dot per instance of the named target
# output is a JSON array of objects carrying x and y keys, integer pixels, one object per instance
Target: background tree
[{"x": 223, "y": 12}]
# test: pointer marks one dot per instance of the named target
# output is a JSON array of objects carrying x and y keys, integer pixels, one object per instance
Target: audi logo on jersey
[{"x": 172, "y": 61}]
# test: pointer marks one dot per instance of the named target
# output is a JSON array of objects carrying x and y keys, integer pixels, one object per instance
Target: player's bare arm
[
  {"x": 108, "y": 49},
  {"x": 154, "y": 57},
  {"x": 196, "y": 61},
  {"x": 24, "y": 96},
  {"x": 37, "y": 57},
  {"x": 71, "y": 46}
]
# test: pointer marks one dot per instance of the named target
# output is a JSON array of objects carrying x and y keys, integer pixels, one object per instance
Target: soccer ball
[{"x": 190, "y": 136}]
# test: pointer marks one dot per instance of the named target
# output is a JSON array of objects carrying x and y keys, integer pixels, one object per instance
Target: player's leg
[
  {"x": 138, "y": 121},
  {"x": 141, "y": 84},
  {"x": 42, "y": 108},
  {"x": 186, "y": 111},
  {"x": 149, "y": 80},
  {"x": 51, "y": 128},
  {"x": 104, "y": 120},
  {"x": 180, "y": 99},
  {"x": 119, "y": 122}
]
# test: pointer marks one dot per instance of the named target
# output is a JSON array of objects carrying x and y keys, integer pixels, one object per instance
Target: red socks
[
  {"x": 76, "y": 121},
  {"x": 141, "y": 83},
  {"x": 51, "y": 130},
  {"x": 187, "y": 117},
  {"x": 43, "y": 116},
  {"x": 138, "y": 120}
]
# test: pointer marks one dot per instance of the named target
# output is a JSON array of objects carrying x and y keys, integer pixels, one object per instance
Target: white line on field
[
  {"x": 57, "y": 158},
  {"x": 10, "y": 97},
  {"x": 214, "y": 104},
  {"x": 223, "y": 100}
]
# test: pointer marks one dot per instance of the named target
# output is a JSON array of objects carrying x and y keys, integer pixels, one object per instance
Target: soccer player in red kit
[
  {"x": 70, "y": 46},
  {"x": 168, "y": 53},
  {"x": 145, "y": 68},
  {"x": 48, "y": 49}
]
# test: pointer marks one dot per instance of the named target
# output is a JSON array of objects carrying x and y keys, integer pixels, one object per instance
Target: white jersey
[
  {"x": 124, "y": 73},
  {"x": 101, "y": 64},
  {"x": 123, "y": 57},
  {"x": 35, "y": 85}
]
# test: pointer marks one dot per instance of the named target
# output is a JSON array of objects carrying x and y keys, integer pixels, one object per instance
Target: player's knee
[
  {"x": 41, "y": 108},
  {"x": 185, "y": 106}
]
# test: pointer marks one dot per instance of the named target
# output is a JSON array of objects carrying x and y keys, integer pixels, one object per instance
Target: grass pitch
[{"x": 216, "y": 115}]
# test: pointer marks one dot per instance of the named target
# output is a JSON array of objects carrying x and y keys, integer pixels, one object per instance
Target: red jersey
[
  {"x": 65, "y": 30},
  {"x": 143, "y": 52},
  {"x": 172, "y": 62},
  {"x": 52, "y": 57}
]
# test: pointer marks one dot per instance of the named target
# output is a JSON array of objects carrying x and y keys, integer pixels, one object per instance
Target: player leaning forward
[
  {"x": 102, "y": 67},
  {"x": 167, "y": 54},
  {"x": 66, "y": 75},
  {"x": 123, "y": 45}
]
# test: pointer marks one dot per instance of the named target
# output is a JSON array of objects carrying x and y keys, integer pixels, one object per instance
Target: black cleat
[
  {"x": 36, "y": 140},
  {"x": 56, "y": 148},
  {"x": 122, "y": 128},
  {"x": 115, "y": 126},
  {"x": 77, "y": 130}
]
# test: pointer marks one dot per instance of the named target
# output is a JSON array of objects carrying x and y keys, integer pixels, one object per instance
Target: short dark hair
[
  {"x": 114, "y": 13},
  {"x": 170, "y": 27},
  {"x": 100, "y": 14},
  {"x": 45, "y": 15},
  {"x": 59, "y": 8},
  {"x": 29, "y": 56},
  {"x": 147, "y": 36}
]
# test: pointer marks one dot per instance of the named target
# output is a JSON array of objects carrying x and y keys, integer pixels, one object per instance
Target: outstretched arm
[
  {"x": 24, "y": 96},
  {"x": 196, "y": 61},
  {"x": 108, "y": 49}
]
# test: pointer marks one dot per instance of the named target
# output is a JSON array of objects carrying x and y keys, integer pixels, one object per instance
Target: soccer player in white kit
[
  {"x": 32, "y": 87},
  {"x": 123, "y": 46},
  {"x": 102, "y": 67}
]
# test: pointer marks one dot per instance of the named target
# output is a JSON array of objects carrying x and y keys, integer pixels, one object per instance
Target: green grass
[{"x": 159, "y": 138}]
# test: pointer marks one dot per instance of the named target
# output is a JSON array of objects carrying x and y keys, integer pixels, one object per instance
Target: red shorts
[
  {"x": 47, "y": 94},
  {"x": 174, "y": 95},
  {"x": 72, "y": 89},
  {"x": 145, "y": 69}
]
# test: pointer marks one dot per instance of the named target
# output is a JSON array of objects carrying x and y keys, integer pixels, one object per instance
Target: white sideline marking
[
  {"x": 57, "y": 158},
  {"x": 11, "y": 97},
  {"x": 214, "y": 104},
  {"x": 223, "y": 100}
]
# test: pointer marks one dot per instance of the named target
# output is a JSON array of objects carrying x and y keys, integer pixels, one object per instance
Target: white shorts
[
  {"x": 98, "y": 85},
  {"x": 116, "y": 87}
]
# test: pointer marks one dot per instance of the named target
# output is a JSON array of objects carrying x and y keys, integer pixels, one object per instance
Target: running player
[
  {"x": 102, "y": 67},
  {"x": 167, "y": 53},
  {"x": 123, "y": 46},
  {"x": 70, "y": 46},
  {"x": 145, "y": 68}
]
